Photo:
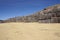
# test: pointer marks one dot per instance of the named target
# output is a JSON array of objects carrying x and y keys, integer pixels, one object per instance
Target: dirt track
[{"x": 29, "y": 31}]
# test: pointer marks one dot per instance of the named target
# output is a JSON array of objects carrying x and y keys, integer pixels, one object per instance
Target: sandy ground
[{"x": 29, "y": 31}]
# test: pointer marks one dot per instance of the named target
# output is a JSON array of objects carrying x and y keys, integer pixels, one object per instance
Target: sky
[{"x": 12, "y": 8}]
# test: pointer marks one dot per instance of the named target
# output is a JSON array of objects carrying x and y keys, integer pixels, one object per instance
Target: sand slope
[{"x": 29, "y": 31}]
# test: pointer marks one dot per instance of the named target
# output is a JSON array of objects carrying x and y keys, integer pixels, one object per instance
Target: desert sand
[{"x": 29, "y": 31}]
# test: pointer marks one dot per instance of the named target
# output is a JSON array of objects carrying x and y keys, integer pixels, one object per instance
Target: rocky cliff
[{"x": 50, "y": 14}]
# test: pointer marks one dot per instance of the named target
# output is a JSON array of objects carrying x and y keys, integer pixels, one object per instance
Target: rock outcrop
[
  {"x": 47, "y": 15},
  {"x": 1, "y": 21}
]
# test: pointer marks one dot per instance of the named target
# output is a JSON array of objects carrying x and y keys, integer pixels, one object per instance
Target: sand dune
[{"x": 29, "y": 31}]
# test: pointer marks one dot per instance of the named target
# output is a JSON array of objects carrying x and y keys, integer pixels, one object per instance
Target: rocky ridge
[{"x": 47, "y": 15}]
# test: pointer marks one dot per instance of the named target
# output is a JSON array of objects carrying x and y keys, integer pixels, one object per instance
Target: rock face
[
  {"x": 1, "y": 21},
  {"x": 47, "y": 15}
]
